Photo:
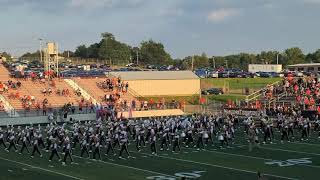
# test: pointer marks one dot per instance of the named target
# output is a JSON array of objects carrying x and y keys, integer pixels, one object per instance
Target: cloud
[
  {"x": 92, "y": 4},
  {"x": 222, "y": 14},
  {"x": 312, "y": 1}
]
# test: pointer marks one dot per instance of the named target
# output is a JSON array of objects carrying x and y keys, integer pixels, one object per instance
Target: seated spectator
[
  {"x": 145, "y": 105},
  {"x": 78, "y": 92},
  {"x": 58, "y": 92},
  {"x": 44, "y": 91},
  {"x": 126, "y": 86},
  {"x": 18, "y": 84},
  {"x": 53, "y": 83}
]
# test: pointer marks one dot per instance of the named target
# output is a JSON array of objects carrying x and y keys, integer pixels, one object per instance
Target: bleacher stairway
[
  {"x": 8, "y": 107},
  {"x": 84, "y": 93}
]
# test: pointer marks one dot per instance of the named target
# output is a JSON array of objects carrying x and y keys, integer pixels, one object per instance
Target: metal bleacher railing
[
  {"x": 35, "y": 113},
  {"x": 257, "y": 94}
]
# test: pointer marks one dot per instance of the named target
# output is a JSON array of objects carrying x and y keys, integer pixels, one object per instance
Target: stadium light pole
[
  {"x": 40, "y": 48},
  {"x": 192, "y": 60},
  {"x": 214, "y": 62},
  {"x": 137, "y": 57}
]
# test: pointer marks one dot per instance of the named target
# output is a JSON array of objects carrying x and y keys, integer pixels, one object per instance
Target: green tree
[
  {"x": 111, "y": 49},
  {"x": 93, "y": 50},
  {"x": 31, "y": 54},
  {"x": 81, "y": 51},
  {"x": 6, "y": 55},
  {"x": 154, "y": 53},
  {"x": 293, "y": 56},
  {"x": 135, "y": 53},
  {"x": 201, "y": 61},
  {"x": 313, "y": 57},
  {"x": 67, "y": 53},
  {"x": 267, "y": 57}
]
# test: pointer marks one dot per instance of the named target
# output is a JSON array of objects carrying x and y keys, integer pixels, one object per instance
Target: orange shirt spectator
[
  {"x": 296, "y": 88},
  {"x": 312, "y": 101},
  {"x": 306, "y": 101},
  {"x": 151, "y": 101},
  {"x": 308, "y": 92},
  {"x": 318, "y": 109}
]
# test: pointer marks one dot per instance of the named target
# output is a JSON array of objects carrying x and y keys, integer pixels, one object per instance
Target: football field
[{"x": 294, "y": 160}]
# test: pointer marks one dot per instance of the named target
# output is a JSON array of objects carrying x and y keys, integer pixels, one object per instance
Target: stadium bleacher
[{"x": 34, "y": 90}]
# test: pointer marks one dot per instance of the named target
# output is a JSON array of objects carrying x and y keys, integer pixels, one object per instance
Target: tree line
[
  {"x": 109, "y": 48},
  {"x": 154, "y": 53}
]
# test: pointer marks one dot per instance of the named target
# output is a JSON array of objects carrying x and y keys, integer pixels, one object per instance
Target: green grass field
[
  {"x": 226, "y": 97},
  {"x": 275, "y": 161},
  {"x": 238, "y": 83}
]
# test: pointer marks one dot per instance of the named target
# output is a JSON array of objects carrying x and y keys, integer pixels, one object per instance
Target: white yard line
[
  {"x": 308, "y": 144},
  {"x": 120, "y": 165},
  {"x": 129, "y": 167},
  {"x": 43, "y": 169},
  {"x": 218, "y": 166},
  {"x": 285, "y": 150},
  {"x": 254, "y": 157}
]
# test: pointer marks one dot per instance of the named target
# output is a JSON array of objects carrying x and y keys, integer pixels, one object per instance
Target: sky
[{"x": 185, "y": 27}]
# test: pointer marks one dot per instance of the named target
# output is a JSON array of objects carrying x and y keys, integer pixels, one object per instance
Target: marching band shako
[
  {"x": 220, "y": 138},
  {"x": 206, "y": 135},
  {"x": 183, "y": 134}
]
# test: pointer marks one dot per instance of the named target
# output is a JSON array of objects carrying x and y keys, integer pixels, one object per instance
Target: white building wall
[{"x": 253, "y": 68}]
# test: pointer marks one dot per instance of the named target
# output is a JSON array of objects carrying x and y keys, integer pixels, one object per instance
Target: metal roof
[
  {"x": 307, "y": 64},
  {"x": 155, "y": 75}
]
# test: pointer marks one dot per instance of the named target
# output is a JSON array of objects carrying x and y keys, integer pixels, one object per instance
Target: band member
[
  {"x": 67, "y": 152},
  {"x": 253, "y": 138},
  {"x": 176, "y": 142},
  {"x": 124, "y": 144},
  {"x": 153, "y": 139},
  {"x": 54, "y": 150},
  {"x": 40, "y": 140},
  {"x": 304, "y": 132},
  {"x": 221, "y": 139},
  {"x": 189, "y": 137},
  {"x": 284, "y": 133},
  {"x": 35, "y": 146},
  {"x": 96, "y": 148},
  {"x": 84, "y": 147},
  {"x": 24, "y": 144},
  {"x": 75, "y": 138},
  {"x": 2, "y": 142},
  {"x": 200, "y": 139},
  {"x": 267, "y": 134},
  {"x": 12, "y": 142},
  {"x": 50, "y": 140},
  {"x": 164, "y": 140},
  {"x": 109, "y": 144}
]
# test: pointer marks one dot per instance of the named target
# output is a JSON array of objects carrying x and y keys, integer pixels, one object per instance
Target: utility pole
[
  {"x": 226, "y": 61},
  {"x": 40, "y": 49},
  {"x": 137, "y": 57},
  {"x": 192, "y": 60},
  {"x": 214, "y": 62},
  {"x": 277, "y": 58}
]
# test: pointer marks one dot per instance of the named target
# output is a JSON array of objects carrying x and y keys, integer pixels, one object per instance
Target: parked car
[
  {"x": 274, "y": 74},
  {"x": 104, "y": 66},
  {"x": 222, "y": 75},
  {"x": 212, "y": 91},
  {"x": 214, "y": 74},
  {"x": 131, "y": 65},
  {"x": 264, "y": 75}
]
